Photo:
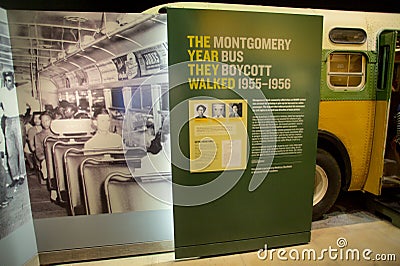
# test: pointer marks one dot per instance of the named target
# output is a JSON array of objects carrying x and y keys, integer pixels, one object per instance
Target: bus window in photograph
[{"x": 346, "y": 71}]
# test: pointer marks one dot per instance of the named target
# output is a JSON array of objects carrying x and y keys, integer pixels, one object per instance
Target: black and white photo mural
[{"x": 100, "y": 91}]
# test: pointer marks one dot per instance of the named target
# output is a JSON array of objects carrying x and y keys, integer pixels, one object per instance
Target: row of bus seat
[{"x": 99, "y": 181}]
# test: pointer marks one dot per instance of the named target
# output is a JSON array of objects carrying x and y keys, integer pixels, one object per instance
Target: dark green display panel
[{"x": 269, "y": 200}]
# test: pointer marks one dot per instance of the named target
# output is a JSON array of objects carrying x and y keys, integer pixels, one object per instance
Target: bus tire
[{"x": 327, "y": 183}]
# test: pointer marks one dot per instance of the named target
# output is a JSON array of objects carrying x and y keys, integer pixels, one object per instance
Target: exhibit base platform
[
  {"x": 34, "y": 261},
  {"x": 246, "y": 245},
  {"x": 387, "y": 205},
  {"x": 105, "y": 252}
]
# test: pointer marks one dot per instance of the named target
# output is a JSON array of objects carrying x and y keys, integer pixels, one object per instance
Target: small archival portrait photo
[
  {"x": 201, "y": 110},
  {"x": 218, "y": 110},
  {"x": 235, "y": 110}
]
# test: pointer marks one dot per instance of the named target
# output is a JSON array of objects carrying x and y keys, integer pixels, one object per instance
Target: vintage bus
[
  {"x": 360, "y": 73},
  {"x": 118, "y": 62}
]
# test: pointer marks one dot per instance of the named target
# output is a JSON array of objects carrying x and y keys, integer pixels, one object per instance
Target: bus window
[
  {"x": 346, "y": 71},
  {"x": 70, "y": 97},
  {"x": 117, "y": 98},
  {"x": 164, "y": 97},
  {"x": 98, "y": 98},
  {"x": 136, "y": 100},
  {"x": 147, "y": 101},
  {"x": 348, "y": 36},
  {"x": 141, "y": 98},
  {"x": 387, "y": 44}
]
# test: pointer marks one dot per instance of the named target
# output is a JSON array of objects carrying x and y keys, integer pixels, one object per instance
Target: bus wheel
[{"x": 327, "y": 183}]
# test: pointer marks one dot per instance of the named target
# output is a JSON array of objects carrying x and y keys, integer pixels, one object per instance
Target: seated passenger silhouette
[
  {"x": 70, "y": 111},
  {"x": 39, "y": 139},
  {"x": 103, "y": 138}
]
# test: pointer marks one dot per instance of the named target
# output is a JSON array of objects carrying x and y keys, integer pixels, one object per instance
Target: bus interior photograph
[{"x": 71, "y": 69}]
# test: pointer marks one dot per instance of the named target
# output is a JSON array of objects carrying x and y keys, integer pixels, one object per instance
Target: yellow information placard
[{"x": 218, "y": 135}]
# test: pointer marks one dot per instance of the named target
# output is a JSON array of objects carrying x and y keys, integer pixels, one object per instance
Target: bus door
[{"x": 385, "y": 125}]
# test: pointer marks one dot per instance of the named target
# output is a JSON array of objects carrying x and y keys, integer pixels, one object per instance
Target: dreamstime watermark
[{"x": 339, "y": 252}]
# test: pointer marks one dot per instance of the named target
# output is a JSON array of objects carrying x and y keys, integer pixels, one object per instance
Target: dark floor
[
  {"x": 355, "y": 207},
  {"x": 41, "y": 205}
]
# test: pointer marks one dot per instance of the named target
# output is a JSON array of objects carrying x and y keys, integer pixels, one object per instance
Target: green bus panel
[{"x": 235, "y": 206}]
